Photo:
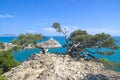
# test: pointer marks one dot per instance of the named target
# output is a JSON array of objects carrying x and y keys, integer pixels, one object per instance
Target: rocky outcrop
[
  {"x": 60, "y": 67},
  {"x": 7, "y": 46},
  {"x": 29, "y": 46},
  {"x": 51, "y": 43}
]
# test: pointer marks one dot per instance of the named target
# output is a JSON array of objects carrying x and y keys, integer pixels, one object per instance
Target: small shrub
[
  {"x": 115, "y": 65},
  {"x": 3, "y": 77}
]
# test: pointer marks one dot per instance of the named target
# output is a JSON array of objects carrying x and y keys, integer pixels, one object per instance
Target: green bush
[
  {"x": 27, "y": 38},
  {"x": 115, "y": 65},
  {"x": 1, "y": 71},
  {"x": 2, "y": 46},
  {"x": 17, "y": 48},
  {"x": 2, "y": 77},
  {"x": 7, "y": 61}
]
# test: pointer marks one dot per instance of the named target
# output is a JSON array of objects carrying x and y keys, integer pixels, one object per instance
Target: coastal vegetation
[
  {"x": 101, "y": 43},
  {"x": 79, "y": 45},
  {"x": 6, "y": 62},
  {"x": 2, "y": 45},
  {"x": 59, "y": 29},
  {"x": 84, "y": 45},
  {"x": 3, "y": 77},
  {"x": 115, "y": 65},
  {"x": 27, "y": 40}
]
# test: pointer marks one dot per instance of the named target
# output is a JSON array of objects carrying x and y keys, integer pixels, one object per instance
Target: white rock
[{"x": 55, "y": 67}]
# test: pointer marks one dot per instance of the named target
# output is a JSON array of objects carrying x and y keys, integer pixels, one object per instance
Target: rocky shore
[
  {"x": 60, "y": 67},
  {"x": 7, "y": 46}
]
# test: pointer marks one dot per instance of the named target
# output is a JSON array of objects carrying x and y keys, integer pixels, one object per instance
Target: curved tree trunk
[
  {"x": 43, "y": 49},
  {"x": 72, "y": 49}
]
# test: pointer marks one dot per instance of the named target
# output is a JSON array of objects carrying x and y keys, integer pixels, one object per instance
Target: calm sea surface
[{"x": 25, "y": 54}]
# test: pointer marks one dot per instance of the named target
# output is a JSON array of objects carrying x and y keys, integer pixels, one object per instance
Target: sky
[{"x": 37, "y": 16}]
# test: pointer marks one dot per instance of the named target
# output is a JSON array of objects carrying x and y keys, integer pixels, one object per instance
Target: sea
[{"x": 24, "y": 55}]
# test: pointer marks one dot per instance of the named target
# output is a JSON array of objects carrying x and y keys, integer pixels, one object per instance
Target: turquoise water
[
  {"x": 6, "y": 39},
  {"x": 114, "y": 57},
  {"x": 25, "y": 54}
]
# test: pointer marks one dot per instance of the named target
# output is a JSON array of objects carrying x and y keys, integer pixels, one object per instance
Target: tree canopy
[
  {"x": 26, "y": 39},
  {"x": 2, "y": 45},
  {"x": 7, "y": 61},
  {"x": 58, "y": 28},
  {"x": 101, "y": 43}
]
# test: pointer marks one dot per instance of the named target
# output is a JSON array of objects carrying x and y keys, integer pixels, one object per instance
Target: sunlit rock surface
[{"x": 60, "y": 67}]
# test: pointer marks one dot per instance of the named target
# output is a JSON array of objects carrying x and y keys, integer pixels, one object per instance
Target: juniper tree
[
  {"x": 26, "y": 39},
  {"x": 99, "y": 43},
  {"x": 59, "y": 29}
]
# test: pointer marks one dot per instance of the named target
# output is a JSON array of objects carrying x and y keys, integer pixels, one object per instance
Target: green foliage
[
  {"x": 81, "y": 36},
  {"x": 26, "y": 39},
  {"x": 1, "y": 71},
  {"x": 2, "y": 45},
  {"x": 7, "y": 61},
  {"x": 17, "y": 48},
  {"x": 111, "y": 65},
  {"x": 58, "y": 28},
  {"x": 104, "y": 40},
  {"x": 97, "y": 42},
  {"x": 56, "y": 25},
  {"x": 15, "y": 41},
  {"x": 102, "y": 44},
  {"x": 3, "y": 77}
]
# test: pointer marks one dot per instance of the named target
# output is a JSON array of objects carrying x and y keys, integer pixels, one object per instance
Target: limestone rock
[
  {"x": 51, "y": 43},
  {"x": 60, "y": 67}
]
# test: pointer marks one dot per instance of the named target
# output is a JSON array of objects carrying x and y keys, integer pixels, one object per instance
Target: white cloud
[
  {"x": 6, "y": 16},
  {"x": 53, "y": 32},
  {"x": 30, "y": 31},
  {"x": 68, "y": 28},
  {"x": 71, "y": 28},
  {"x": 113, "y": 32},
  {"x": 49, "y": 29}
]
